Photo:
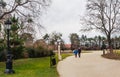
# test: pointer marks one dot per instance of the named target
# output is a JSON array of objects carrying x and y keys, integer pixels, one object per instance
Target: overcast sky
[{"x": 64, "y": 16}]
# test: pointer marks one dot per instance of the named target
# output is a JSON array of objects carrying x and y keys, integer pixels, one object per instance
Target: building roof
[{"x": 68, "y": 45}]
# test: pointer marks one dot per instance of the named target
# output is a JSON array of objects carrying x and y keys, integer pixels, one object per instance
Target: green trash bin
[{"x": 52, "y": 59}]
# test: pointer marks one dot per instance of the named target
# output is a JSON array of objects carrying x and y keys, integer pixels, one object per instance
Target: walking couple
[{"x": 77, "y": 51}]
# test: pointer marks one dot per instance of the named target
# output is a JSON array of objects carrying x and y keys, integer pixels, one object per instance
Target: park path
[{"x": 89, "y": 65}]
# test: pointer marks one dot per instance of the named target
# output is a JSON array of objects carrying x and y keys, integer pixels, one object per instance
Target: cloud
[{"x": 63, "y": 16}]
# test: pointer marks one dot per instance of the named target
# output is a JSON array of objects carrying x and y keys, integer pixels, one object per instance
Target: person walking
[
  {"x": 75, "y": 51},
  {"x": 79, "y": 52}
]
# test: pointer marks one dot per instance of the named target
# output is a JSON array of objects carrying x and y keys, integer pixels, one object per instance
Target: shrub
[
  {"x": 2, "y": 56},
  {"x": 2, "y": 52},
  {"x": 17, "y": 52},
  {"x": 38, "y": 52},
  {"x": 30, "y": 52}
]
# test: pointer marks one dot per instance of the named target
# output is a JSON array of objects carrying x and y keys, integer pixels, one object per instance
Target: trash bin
[{"x": 52, "y": 59}]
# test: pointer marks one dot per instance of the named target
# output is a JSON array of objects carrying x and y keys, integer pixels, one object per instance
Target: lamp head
[{"x": 8, "y": 24}]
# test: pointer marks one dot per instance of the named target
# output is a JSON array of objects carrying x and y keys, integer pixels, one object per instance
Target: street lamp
[{"x": 9, "y": 69}]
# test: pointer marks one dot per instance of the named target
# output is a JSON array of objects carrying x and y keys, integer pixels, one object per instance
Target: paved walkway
[{"x": 89, "y": 65}]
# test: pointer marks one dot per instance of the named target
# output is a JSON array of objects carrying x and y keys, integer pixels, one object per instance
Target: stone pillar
[{"x": 59, "y": 52}]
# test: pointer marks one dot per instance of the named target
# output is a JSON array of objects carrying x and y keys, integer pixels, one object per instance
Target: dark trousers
[{"x": 79, "y": 54}]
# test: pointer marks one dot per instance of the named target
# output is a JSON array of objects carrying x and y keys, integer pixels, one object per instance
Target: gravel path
[{"x": 89, "y": 65}]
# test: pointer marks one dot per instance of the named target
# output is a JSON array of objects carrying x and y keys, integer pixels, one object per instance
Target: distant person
[
  {"x": 79, "y": 52},
  {"x": 103, "y": 48},
  {"x": 75, "y": 51}
]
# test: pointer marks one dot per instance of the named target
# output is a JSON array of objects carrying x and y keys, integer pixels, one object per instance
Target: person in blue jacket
[{"x": 75, "y": 51}]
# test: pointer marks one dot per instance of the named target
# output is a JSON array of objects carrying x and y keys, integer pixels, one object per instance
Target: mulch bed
[{"x": 112, "y": 56}]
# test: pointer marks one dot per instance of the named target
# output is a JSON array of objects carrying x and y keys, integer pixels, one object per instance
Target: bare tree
[
  {"x": 75, "y": 40},
  {"x": 103, "y": 15},
  {"x": 54, "y": 37},
  {"x": 22, "y": 7},
  {"x": 28, "y": 12}
]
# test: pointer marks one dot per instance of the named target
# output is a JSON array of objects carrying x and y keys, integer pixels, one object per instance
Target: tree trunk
[{"x": 109, "y": 43}]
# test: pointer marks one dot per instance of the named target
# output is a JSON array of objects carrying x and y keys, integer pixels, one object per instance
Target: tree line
[
  {"x": 83, "y": 41},
  {"x": 95, "y": 42}
]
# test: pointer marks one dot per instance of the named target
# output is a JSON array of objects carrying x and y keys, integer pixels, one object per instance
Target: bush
[
  {"x": 38, "y": 52},
  {"x": 17, "y": 52},
  {"x": 22, "y": 52},
  {"x": 2, "y": 56},
  {"x": 30, "y": 52},
  {"x": 2, "y": 53}
]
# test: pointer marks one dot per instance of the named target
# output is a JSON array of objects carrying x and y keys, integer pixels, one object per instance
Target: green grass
[
  {"x": 117, "y": 51},
  {"x": 64, "y": 55},
  {"x": 86, "y": 51},
  {"x": 33, "y": 67}
]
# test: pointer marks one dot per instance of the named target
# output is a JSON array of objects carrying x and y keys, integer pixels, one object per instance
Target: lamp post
[
  {"x": 59, "y": 50},
  {"x": 9, "y": 69}
]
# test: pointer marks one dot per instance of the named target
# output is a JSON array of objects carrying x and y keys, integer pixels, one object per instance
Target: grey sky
[{"x": 64, "y": 16}]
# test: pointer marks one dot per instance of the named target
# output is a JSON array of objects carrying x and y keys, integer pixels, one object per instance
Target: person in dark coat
[{"x": 79, "y": 52}]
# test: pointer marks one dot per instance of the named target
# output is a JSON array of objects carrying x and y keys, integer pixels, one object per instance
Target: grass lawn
[
  {"x": 117, "y": 51},
  {"x": 32, "y": 67}
]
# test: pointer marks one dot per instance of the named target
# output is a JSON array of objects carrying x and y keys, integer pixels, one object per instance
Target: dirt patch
[{"x": 112, "y": 56}]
